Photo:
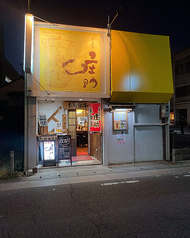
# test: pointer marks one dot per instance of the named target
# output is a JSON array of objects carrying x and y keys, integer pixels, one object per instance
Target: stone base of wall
[{"x": 180, "y": 154}]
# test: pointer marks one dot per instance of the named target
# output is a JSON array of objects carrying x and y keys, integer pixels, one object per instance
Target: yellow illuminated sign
[
  {"x": 69, "y": 60},
  {"x": 141, "y": 69}
]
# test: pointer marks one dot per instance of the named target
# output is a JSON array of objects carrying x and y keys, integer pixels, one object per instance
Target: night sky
[{"x": 162, "y": 17}]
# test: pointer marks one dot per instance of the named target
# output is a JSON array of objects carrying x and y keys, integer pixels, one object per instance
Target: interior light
[
  {"x": 80, "y": 99},
  {"x": 79, "y": 111}
]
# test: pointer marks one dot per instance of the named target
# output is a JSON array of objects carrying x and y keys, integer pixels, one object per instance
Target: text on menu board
[{"x": 64, "y": 147}]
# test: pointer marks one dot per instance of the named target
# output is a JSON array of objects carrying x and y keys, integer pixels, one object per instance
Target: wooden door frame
[{"x": 73, "y": 141}]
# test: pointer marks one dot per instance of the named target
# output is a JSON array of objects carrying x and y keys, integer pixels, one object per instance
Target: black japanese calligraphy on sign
[
  {"x": 75, "y": 105},
  {"x": 95, "y": 119},
  {"x": 88, "y": 66},
  {"x": 64, "y": 147}
]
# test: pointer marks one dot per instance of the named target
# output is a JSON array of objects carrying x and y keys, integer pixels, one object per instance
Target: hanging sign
[
  {"x": 75, "y": 105},
  {"x": 70, "y": 60},
  {"x": 121, "y": 138},
  {"x": 58, "y": 127},
  {"x": 95, "y": 121}
]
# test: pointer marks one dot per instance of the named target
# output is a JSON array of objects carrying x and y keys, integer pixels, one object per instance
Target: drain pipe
[{"x": 133, "y": 136}]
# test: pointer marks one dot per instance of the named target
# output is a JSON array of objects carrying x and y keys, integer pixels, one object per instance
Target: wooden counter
[{"x": 80, "y": 131}]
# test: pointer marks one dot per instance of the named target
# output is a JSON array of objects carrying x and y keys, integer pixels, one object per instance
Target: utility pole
[
  {"x": 109, "y": 24},
  {"x": 28, "y": 6}
]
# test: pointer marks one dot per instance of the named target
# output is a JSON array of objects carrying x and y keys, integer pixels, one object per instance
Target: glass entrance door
[{"x": 82, "y": 131}]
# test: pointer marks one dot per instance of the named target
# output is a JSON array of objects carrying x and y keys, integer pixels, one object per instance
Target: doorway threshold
[{"x": 80, "y": 160}]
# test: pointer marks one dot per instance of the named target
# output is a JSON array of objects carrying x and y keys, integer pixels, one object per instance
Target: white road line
[
  {"x": 115, "y": 183},
  {"x": 187, "y": 175}
]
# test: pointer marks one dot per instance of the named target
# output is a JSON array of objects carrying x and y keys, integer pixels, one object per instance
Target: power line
[
  {"x": 40, "y": 85},
  {"x": 22, "y": 7},
  {"x": 46, "y": 21},
  {"x": 28, "y": 6}
]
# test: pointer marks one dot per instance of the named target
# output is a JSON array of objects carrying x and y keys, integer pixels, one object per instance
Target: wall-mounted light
[
  {"x": 28, "y": 43},
  {"x": 129, "y": 110},
  {"x": 111, "y": 110},
  {"x": 29, "y": 88},
  {"x": 49, "y": 100},
  {"x": 125, "y": 107}
]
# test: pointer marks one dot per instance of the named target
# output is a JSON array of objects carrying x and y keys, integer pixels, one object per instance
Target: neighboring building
[
  {"x": 11, "y": 105},
  {"x": 110, "y": 98},
  {"x": 12, "y": 116},
  {"x": 7, "y": 72},
  {"x": 180, "y": 102}
]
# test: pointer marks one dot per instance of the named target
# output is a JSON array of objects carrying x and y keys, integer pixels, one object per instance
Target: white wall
[
  {"x": 48, "y": 108},
  {"x": 147, "y": 113},
  {"x": 148, "y": 143},
  {"x": 148, "y": 133},
  {"x": 114, "y": 152},
  {"x": 143, "y": 140}
]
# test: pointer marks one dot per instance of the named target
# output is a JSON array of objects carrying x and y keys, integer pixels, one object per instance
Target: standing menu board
[
  {"x": 49, "y": 153},
  {"x": 64, "y": 147},
  {"x": 49, "y": 150}
]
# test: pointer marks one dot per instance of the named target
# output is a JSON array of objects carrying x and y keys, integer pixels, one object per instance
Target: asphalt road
[{"x": 143, "y": 207}]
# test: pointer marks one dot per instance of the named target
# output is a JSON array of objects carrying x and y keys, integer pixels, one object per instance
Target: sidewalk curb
[{"x": 92, "y": 178}]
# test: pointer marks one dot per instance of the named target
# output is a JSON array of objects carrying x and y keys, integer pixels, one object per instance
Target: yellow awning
[{"x": 141, "y": 70}]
